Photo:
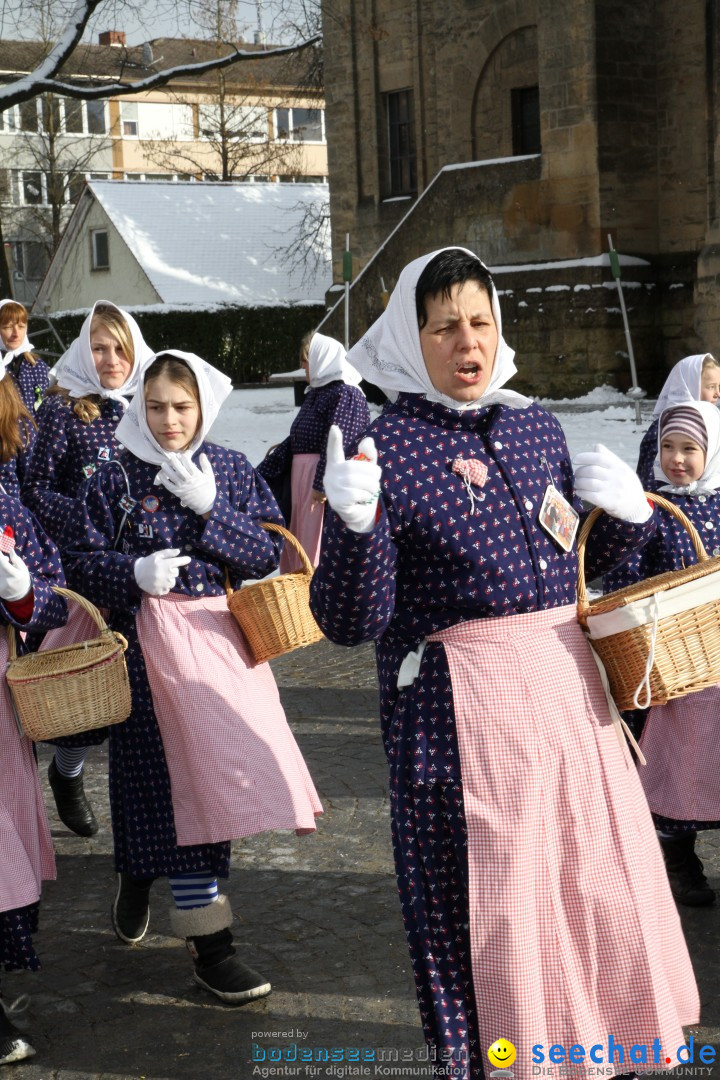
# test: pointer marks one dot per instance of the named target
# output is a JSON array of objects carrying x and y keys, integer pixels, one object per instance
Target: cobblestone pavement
[{"x": 317, "y": 915}]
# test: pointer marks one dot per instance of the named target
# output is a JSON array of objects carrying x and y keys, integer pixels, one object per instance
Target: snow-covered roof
[{"x": 221, "y": 243}]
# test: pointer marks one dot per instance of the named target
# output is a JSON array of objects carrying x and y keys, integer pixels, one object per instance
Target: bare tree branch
[
  {"x": 309, "y": 247},
  {"x": 33, "y": 84}
]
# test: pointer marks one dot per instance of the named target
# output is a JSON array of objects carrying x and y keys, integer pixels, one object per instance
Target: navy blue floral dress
[
  {"x": 428, "y": 564},
  {"x": 32, "y": 381},
  {"x": 671, "y": 549},
  {"x": 337, "y": 403},
  {"x": 66, "y": 452},
  {"x": 121, "y": 498}
]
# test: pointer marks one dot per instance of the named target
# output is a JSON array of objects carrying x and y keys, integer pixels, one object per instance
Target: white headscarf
[
  {"x": 710, "y": 480},
  {"x": 10, "y": 355},
  {"x": 683, "y": 384},
  {"x": 390, "y": 356},
  {"x": 133, "y": 430},
  {"x": 75, "y": 371},
  {"x": 327, "y": 362}
]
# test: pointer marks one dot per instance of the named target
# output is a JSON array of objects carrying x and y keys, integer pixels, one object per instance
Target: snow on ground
[{"x": 254, "y": 420}]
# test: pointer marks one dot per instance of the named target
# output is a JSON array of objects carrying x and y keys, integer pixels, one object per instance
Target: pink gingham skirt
[
  {"x": 680, "y": 741},
  {"x": 574, "y": 932},
  {"x": 79, "y": 627},
  {"x": 307, "y": 517},
  {"x": 235, "y": 768},
  {"x": 26, "y": 851}
]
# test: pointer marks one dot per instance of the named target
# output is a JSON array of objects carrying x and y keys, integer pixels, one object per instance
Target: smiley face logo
[{"x": 502, "y": 1053}]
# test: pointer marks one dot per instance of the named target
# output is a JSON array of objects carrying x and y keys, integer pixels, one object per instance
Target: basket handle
[
  {"x": 89, "y": 608},
  {"x": 583, "y": 605},
  {"x": 308, "y": 567}
]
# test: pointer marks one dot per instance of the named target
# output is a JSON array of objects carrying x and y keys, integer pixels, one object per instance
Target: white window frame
[
  {"x": 126, "y": 134},
  {"x": 206, "y": 117},
  {"x": 94, "y": 262},
  {"x": 291, "y": 125},
  {"x": 11, "y": 121}
]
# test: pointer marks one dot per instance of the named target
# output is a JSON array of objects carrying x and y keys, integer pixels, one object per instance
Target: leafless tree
[{"x": 62, "y": 24}]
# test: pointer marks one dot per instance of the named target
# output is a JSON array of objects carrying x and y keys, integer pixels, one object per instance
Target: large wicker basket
[
  {"x": 660, "y": 636},
  {"x": 74, "y": 688},
  {"x": 274, "y": 615}
]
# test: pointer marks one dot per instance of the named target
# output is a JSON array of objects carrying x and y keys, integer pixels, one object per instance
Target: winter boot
[
  {"x": 73, "y": 809},
  {"x": 13, "y": 1045},
  {"x": 130, "y": 911},
  {"x": 217, "y": 967},
  {"x": 685, "y": 870}
]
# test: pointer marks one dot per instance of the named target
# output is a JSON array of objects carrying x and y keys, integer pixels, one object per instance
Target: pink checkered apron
[
  {"x": 307, "y": 518},
  {"x": 574, "y": 933},
  {"x": 680, "y": 741},
  {"x": 235, "y": 768},
  {"x": 26, "y": 851},
  {"x": 79, "y": 627}
]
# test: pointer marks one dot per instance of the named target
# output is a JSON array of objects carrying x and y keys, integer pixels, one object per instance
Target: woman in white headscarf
[
  {"x": 207, "y": 755},
  {"x": 333, "y": 397},
  {"x": 694, "y": 378},
  {"x": 95, "y": 379},
  {"x": 679, "y": 739},
  {"x": 30, "y": 373},
  {"x": 532, "y": 886}
]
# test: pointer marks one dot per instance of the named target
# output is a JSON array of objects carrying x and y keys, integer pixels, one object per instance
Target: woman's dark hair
[{"x": 448, "y": 268}]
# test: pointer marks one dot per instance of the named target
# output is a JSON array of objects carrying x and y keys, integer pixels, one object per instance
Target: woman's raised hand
[
  {"x": 195, "y": 488},
  {"x": 352, "y": 485},
  {"x": 603, "y": 479}
]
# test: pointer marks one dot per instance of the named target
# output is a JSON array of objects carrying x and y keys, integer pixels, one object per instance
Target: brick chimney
[{"x": 112, "y": 37}]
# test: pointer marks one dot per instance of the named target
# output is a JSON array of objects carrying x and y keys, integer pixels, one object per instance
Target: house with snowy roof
[{"x": 191, "y": 245}]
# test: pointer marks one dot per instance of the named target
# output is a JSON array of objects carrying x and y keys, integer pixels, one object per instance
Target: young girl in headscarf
[
  {"x": 30, "y": 373},
  {"x": 532, "y": 886},
  {"x": 207, "y": 754},
  {"x": 29, "y": 565},
  {"x": 334, "y": 397},
  {"x": 96, "y": 377},
  {"x": 694, "y": 378},
  {"x": 679, "y": 740}
]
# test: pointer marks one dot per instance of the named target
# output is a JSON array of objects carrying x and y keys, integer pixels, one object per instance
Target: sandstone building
[{"x": 530, "y": 131}]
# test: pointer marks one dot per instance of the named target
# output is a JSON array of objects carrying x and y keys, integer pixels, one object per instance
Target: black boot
[
  {"x": 217, "y": 966},
  {"x": 685, "y": 870},
  {"x": 73, "y": 809},
  {"x": 13, "y": 1044},
  {"x": 130, "y": 911}
]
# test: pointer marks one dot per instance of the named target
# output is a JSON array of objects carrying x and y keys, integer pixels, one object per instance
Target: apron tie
[{"x": 623, "y": 732}]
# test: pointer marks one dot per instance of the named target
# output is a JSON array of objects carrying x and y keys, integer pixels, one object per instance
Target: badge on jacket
[{"x": 558, "y": 518}]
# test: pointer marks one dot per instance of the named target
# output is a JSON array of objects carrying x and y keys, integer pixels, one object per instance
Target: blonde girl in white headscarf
[{"x": 95, "y": 379}]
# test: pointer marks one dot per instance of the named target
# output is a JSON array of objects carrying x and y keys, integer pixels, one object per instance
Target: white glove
[
  {"x": 15, "y": 580},
  {"x": 352, "y": 487},
  {"x": 603, "y": 479},
  {"x": 157, "y": 573},
  {"x": 195, "y": 488}
]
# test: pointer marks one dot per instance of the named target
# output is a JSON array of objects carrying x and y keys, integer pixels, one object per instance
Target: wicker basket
[
  {"x": 673, "y": 619},
  {"x": 274, "y": 615},
  {"x": 71, "y": 689}
]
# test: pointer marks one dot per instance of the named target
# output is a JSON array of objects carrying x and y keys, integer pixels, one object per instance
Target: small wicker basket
[
  {"x": 71, "y": 689},
  {"x": 670, "y": 620},
  {"x": 274, "y": 615}
]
